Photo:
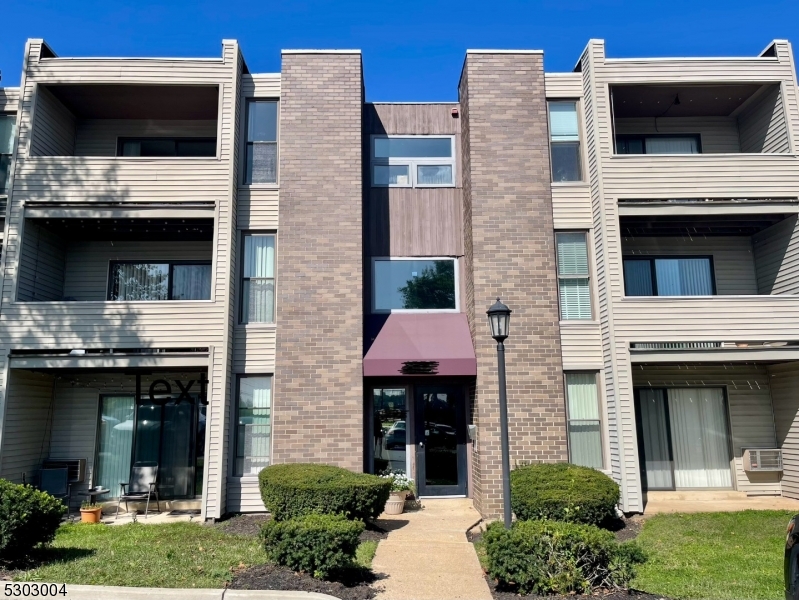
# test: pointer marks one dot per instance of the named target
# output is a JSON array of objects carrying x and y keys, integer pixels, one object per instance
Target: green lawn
[{"x": 714, "y": 556}]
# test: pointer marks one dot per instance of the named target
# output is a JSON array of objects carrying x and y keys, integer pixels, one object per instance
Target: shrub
[
  {"x": 28, "y": 518},
  {"x": 563, "y": 492},
  {"x": 294, "y": 490},
  {"x": 316, "y": 544},
  {"x": 552, "y": 557}
]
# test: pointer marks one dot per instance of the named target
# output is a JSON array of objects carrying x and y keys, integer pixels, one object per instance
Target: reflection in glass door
[
  {"x": 389, "y": 429},
  {"x": 441, "y": 441}
]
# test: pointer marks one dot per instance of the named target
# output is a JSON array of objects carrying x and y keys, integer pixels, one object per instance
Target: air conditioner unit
[
  {"x": 76, "y": 467},
  {"x": 762, "y": 459}
]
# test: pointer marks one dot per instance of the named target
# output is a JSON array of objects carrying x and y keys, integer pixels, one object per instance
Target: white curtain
[
  {"x": 585, "y": 439},
  {"x": 657, "y": 463},
  {"x": 141, "y": 281},
  {"x": 259, "y": 282},
  {"x": 699, "y": 438},
  {"x": 191, "y": 282},
  {"x": 254, "y": 426},
  {"x": 671, "y": 145},
  {"x": 115, "y": 443}
]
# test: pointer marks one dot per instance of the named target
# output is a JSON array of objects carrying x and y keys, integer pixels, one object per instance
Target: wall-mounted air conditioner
[
  {"x": 75, "y": 466},
  {"x": 762, "y": 459}
]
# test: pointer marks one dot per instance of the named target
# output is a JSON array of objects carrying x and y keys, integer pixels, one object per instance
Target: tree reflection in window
[{"x": 433, "y": 289}]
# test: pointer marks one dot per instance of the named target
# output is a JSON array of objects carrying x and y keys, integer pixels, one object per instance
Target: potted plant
[
  {"x": 401, "y": 486},
  {"x": 90, "y": 513}
]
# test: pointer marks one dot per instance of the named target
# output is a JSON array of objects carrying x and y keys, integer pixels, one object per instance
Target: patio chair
[
  {"x": 141, "y": 487},
  {"x": 56, "y": 483}
]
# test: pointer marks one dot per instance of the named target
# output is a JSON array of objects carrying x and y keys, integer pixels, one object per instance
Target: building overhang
[
  {"x": 169, "y": 360},
  {"x": 715, "y": 355}
]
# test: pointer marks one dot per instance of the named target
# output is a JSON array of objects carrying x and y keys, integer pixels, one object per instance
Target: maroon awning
[{"x": 422, "y": 344}]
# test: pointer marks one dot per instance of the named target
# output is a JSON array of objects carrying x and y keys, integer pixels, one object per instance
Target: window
[
  {"x": 130, "y": 281},
  {"x": 573, "y": 278},
  {"x": 418, "y": 161},
  {"x": 8, "y": 130},
  {"x": 164, "y": 146},
  {"x": 582, "y": 404},
  {"x": 261, "y": 159},
  {"x": 414, "y": 284},
  {"x": 253, "y": 425},
  {"x": 564, "y": 145},
  {"x": 658, "y": 144},
  {"x": 672, "y": 276},
  {"x": 258, "y": 279}
]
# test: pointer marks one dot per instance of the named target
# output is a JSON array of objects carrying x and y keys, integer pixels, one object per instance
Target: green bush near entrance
[
  {"x": 544, "y": 557},
  {"x": 28, "y": 518},
  {"x": 299, "y": 489},
  {"x": 316, "y": 544},
  {"x": 563, "y": 492}
]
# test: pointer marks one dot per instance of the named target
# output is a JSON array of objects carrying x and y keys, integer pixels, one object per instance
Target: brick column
[
  {"x": 318, "y": 392},
  {"x": 510, "y": 246}
]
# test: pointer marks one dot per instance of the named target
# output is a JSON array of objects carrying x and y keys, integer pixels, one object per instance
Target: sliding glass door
[{"x": 114, "y": 442}]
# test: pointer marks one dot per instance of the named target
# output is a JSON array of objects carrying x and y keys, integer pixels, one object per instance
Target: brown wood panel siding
[
  {"x": 733, "y": 258},
  {"x": 41, "y": 265},
  {"x": 777, "y": 258},
  {"x": 412, "y": 119},
  {"x": 751, "y": 418},
  {"x": 762, "y": 125},
  {"x": 718, "y": 134},
  {"x": 98, "y": 137},
  {"x": 784, "y": 383},
  {"x": 53, "y": 126}
]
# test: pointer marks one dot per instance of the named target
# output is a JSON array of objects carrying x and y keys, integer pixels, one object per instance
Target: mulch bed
[
  {"x": 353, "y": 586},
  {"x": 248, "y": 525}
]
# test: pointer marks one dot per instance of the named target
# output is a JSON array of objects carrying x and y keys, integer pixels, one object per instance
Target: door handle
[{"x": 421, "y": 444}]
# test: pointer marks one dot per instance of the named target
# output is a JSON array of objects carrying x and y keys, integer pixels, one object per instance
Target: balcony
[{"x": 117, "y": 141}]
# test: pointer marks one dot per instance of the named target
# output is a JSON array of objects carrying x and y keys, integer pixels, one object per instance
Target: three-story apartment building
[{"x": 213, "y": 270}]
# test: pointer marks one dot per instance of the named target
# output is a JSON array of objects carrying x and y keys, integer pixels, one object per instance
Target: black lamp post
[{"x": 499, "y": 320}]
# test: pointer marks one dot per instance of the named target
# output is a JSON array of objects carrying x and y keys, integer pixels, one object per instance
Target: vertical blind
[
  {"x": 258, "y": 285},
  {"x": 672, "y": 277},
  {"x": 115, "y": 443},
  {"x": 191, "y": 282},
  {"x": 585, "y": 439},
  {"x": 573, "y": 281},
  {"x": 671, "y": 145},
  {"x": 657, "y": 460},
  {"x": 254, "y": 433}
]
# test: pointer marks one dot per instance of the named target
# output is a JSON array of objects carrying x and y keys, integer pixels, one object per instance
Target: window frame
[
  {"x": 170, "y": 264},
  {"x": 122, "y": 139},
  {"x": 653, "y": 273},
  {"x": 589, "y": 275},
  {"x": 413, "y": 162},
  {"x": 237, "y": 407},
  {"x": 643, "y": 137},
  {"x": 376, "y": 259},
  {"x": 241, "y": 322},
  {"x": 580, "y": 137},
  {"x": 247, "y": 143},
  {"x": 600, "y": 411},
  {"x": 3, "y": 191}
]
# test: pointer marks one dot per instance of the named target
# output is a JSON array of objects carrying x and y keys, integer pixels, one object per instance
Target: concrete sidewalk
[
  {"x": 426, "y": 555},
  {"x": 101, "y": 592},
  {"x": 695, "y": 501}
]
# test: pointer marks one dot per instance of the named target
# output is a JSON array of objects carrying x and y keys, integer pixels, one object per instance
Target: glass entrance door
[{"x": 440, "y": 421}]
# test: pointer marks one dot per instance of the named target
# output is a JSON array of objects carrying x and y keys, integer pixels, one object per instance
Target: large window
[
  {"x": 668, "y": 276},
  {"x": 253, "y": 425},
  {"x": 8, "y": 127},
  {"x": 564, "y": 131},
  {"x": 131, "y": 281},
  {"x": 258, "y": 279},
  {"x": 658, "y": 144},
  {"x": 574, "y": 284},
  {"x": 414, "y": 284},
  {"x": 418, "y": 161},
  {"x": 585, "y": 434},
  {"x": 165, "y": 146},
  {"x": 261, "y": 160}
]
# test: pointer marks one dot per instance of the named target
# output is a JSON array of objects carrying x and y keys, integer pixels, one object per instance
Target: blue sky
[{"x": 412, "y": 50}]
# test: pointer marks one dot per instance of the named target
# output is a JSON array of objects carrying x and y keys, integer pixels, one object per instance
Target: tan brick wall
[
  {"x": 510, "y": 243},
  {"x": 318, "y": 392}
]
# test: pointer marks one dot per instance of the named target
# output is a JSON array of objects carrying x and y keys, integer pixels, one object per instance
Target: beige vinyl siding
[
  {"x": 750, "y": 414},
  {"x": 98, "y": 137},
  {"x": 777, "y": 258},
  {"x": 254, "y": 349},
  {"x": 26, "y": 426},
  {"x": 784, "y": 386},
  {"x": 733, "y": 260},
  {"x": 257, "y": 208},
  {"x": 563, "y": 85},
  {"x": 243, "y": 495},
  {"x": 9, "y": 99},
  {"x": 260, "y": 85},
  {"x": 571, "y": 206},
  {"x": 53, "y": 127},
  {"x": 88, "y": 263},
  {"x": 41, "y": 268},
  {"x": 762, "y": 124},
  {"x": 718, "y": 134},
  {"x": 581, "y": 345}
]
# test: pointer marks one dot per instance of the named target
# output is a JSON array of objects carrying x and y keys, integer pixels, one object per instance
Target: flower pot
[
  {"x": 403, "y": 495},
  {"x": 91, "y": 515},
  {"x": 394, "y": 505}
]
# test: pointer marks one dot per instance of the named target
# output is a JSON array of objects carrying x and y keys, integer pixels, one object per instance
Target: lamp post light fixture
[{"x": 499, "y": 320}]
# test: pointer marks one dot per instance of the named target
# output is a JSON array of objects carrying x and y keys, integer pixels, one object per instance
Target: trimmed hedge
[
  {"x": 316, "y": 544},
  {"x": 28, "y": 518},
  {"x": 544, "y": 557},
  {"x": 563, "y": 492},
  {"x": 297, "y": 489}
]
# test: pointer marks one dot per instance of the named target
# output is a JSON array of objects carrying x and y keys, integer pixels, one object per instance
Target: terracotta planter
[
  {"x": 395, "y": 503},
  {"x": 91, "y": 515}
]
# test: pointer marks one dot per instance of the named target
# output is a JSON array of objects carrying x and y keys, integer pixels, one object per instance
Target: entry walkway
[{"x": 426, "y": 555}]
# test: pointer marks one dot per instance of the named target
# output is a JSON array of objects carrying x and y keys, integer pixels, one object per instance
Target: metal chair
[
  {"x": 56, "y": 483},
  {"x": 141, "y": 487}
]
